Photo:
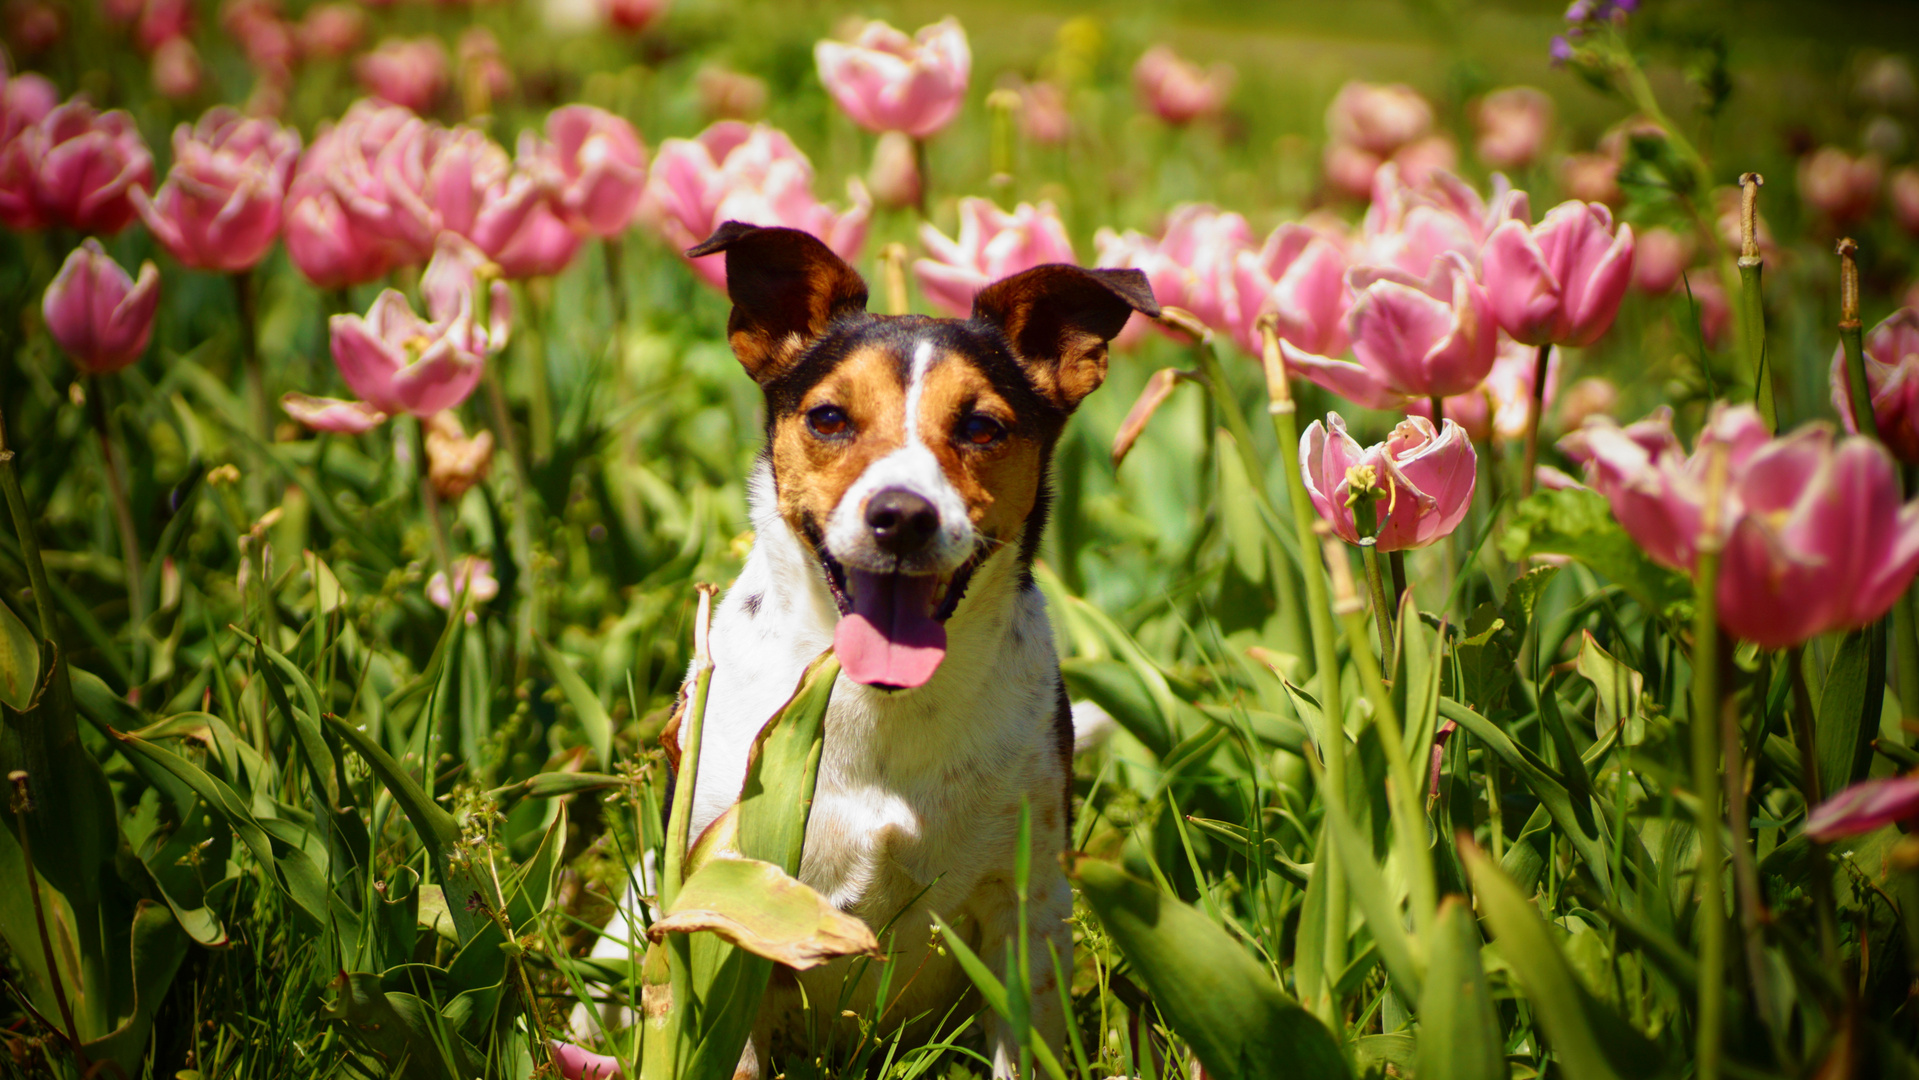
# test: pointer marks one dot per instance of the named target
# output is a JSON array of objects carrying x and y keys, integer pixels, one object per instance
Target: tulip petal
[
  {"x": 1351, "y": 381},
  {"x": 332, "y": 414}
]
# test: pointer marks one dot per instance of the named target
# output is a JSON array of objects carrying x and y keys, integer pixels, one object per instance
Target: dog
[{"x": 897, "y": 509}]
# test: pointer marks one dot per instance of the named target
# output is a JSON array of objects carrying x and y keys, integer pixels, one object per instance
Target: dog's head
[{"x": 907, "y": 449}]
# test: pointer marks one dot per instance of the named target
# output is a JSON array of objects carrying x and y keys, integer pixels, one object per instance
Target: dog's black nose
[{"x": 902, "y": 522}]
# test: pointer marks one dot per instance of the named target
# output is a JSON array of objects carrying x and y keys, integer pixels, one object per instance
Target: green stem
[
  {"x": 1752, "y": 333},
  {"x": 123, "y": 523},
  {"x": 526, "y": 505},
  {"x": 1332, "y": 733},
  {"x": 612, "y": 251},
  {"x": 1706, "y": 704},
  {"x": 680, "y": 818},
  {"x": 1382, "y": 607},
  {"x": 539, "y": 384},
  {"x": 442, "y": 549},
  {"x": 1746, "y": 878},
  {"x": 259, "y": 410},
  {"x": 1809, "y": 788},
  {"x": 1540, "y": 363},
  {"x": 1859, "y": 392},
  {"x": 1409, "y": 821}
]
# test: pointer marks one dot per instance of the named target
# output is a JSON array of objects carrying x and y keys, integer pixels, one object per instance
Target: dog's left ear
[
  {"x": 786, "y": 286},
  {"x": 1059, "y": 319}
]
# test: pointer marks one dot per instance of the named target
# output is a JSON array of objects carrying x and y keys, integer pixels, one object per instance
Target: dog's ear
[
  {"x": 786, "y": 288},
  {"x": 1059, "y": 319}
]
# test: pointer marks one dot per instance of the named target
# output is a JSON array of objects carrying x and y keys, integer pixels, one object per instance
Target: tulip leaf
[
  {"x": 1850, "y": 701},
  {"x": 1619, "y": 688},
  {"x": 1222, "y": 1002},
  {"x": 19, "y": 662},
  {"x": 1459, "y": 1036},
  {"x": 1114, "y": 687},
  {"x": 766, "y": 911},
  {"x": 1589, "y": 1041},
  {"x": 1578, "y": 522},
  {"x": 156, "y": 947},
  {"x": 1239, "y": 512}
]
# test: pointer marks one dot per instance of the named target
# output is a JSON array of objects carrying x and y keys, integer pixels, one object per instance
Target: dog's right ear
[{"x": 786, "y": 286}]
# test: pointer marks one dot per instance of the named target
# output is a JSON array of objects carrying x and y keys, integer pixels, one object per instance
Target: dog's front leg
[{"x": 1049, "y": 934}]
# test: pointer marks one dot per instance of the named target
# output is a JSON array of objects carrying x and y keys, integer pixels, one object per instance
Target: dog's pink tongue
[{"x": 890, "y": 638}]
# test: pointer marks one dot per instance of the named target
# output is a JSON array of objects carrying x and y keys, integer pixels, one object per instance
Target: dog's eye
[
  {"x": 980, "y": 429},
  {"x": 828, "y": 421}
]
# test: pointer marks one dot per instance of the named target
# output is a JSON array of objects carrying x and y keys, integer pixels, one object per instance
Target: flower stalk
[
  {"x": 1850, "y": 338},
  {"x": 1706, "y": 705},
  {"x": 1332, "y": 734},
  {"x": 1752, "y": 304},
  {"x": 123, "y": 523},
  {"x": 1533, "y": 415}
]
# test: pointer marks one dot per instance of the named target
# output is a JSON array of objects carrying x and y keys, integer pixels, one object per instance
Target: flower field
[{"x": 1484, "y": 593}]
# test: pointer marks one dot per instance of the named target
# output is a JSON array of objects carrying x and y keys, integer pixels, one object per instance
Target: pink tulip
[
  {"x": 1177, "y": 90},
  {"x": 332, "y": 414},
  {"x": 458, "y": 280},
  {"x": 1513, "y": 125},
  {"x": 1427, "y": 478},
  {"x": 266, "y": 38},
  {"x": 887, "y": 81},
  {"x": 598, "y": 168},
  {"x": 1589, "y": 397},
  {"x": 578, "y": 1064},
  {"x": 102, "y": 318},
  {"x": 161, "y": 21},
  {"x": 468, "y": 573},
  {"x": 1410, "y": 224},
  {"x": 1501, "y": 406},
  {"x": 409, "y": 72},
  {"x": 1892, "y": 376},
  {"x": 1378, "y": 118},
  {"x": 1660, "y": 255},
  {"x": 397, "y": 362},
  {"x": 1299, "y": 276},
  {"x": 34, "y": 26},
  {"x": 542, "y": 245},
  {"x": 1815, "y": 538},
  {"x": 1868, "y": 806},
  {"x": 631, "y": 16},
  {"x": 1043, "y": 113},
  {"x": 25, "y": 100},
  {"x": 1559, "y": 282},
  {"x": 356, "y": 207},
  {"x": 331, "y": 31},
  {"x": 1837, "y": 186},
  {"x": 741, "y": 172},
  {"x": 74, "y": 167},
  {"x": 992, "y": 244},
  {"x": 176, "y": 69},
  {"x": 894, "y": 178},
  {"x": 467, "y": 176},
  {"x": 1412, "y": 337},
  {"x": 220, "y": 206},
  {"x": 1904, "y": 190}
]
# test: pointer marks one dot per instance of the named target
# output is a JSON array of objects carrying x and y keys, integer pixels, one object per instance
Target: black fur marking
[
  {"x": 752, "y": 604},
  {"x": 1063, "y": 744}
]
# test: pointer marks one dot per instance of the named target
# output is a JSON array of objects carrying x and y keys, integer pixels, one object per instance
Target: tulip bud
[
  {"x": 1514, "y": 125},
  {"x": 1838, "y": 186},
  {"x": 102, "y": 318},
  {"x": 1177, "y": 90},
  {"x": 1891, "y": 357},
  {"x": 176, "y": 69},
  {"x": 1868, "y": 806}
]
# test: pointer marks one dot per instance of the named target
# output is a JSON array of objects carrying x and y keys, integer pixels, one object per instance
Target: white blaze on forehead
[{"x": 915, "y": 468}]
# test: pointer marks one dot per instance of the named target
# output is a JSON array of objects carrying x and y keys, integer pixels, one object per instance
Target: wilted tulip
[
  {"x": 1892, "y": 376},
  {"x": 1837, "y": 186},
  {"x": 1378, "y": 118},
  {"x": 468, "y": 573},
  {"x": 1177, "y": 90},
  {"x": 75, "y": 167},
  {"x": 1559, "y": 282},
  {"x": 175, "y": 69},
  {"x": 332, "y": 414},
  {"x": 1300, "y": 276},
  {"x": 331, "y": 31},
  {"x": 631, "y": 15},
  {"x": 597, "y": 168},
  {"x": 220, "y": 206},
  {"x": 1431, "y": 337},
  {"x": 398, "y": 362},
  {"x": 992, "y": 244},
  {"x": 729, "y": 95},
  {"x": 409, "y": 72},
  {"x": 894, "y": 178},
  {"x": 1513, "y": 125},
  {"x": 740, "y": 172},
  {"x": 1424, "y": 478},
  {"x": 102, "y": 318},
  {"x": 887, "y": 81},
  {"x": 1867, "y": 806},
  {"x": 1815, "y": 538},
  {"x": 1501, "y": 406},
  {"x": 1904, "y": 190},
  {"x": 1660, "y": 255},
  {"x": 454, "y": 462}
]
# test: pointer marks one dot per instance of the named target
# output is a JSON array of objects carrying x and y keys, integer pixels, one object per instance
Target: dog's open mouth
[{"x": 892, "y": 628}]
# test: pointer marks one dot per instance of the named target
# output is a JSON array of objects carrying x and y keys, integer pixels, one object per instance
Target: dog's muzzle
[{"x": 892, "y": 631}]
